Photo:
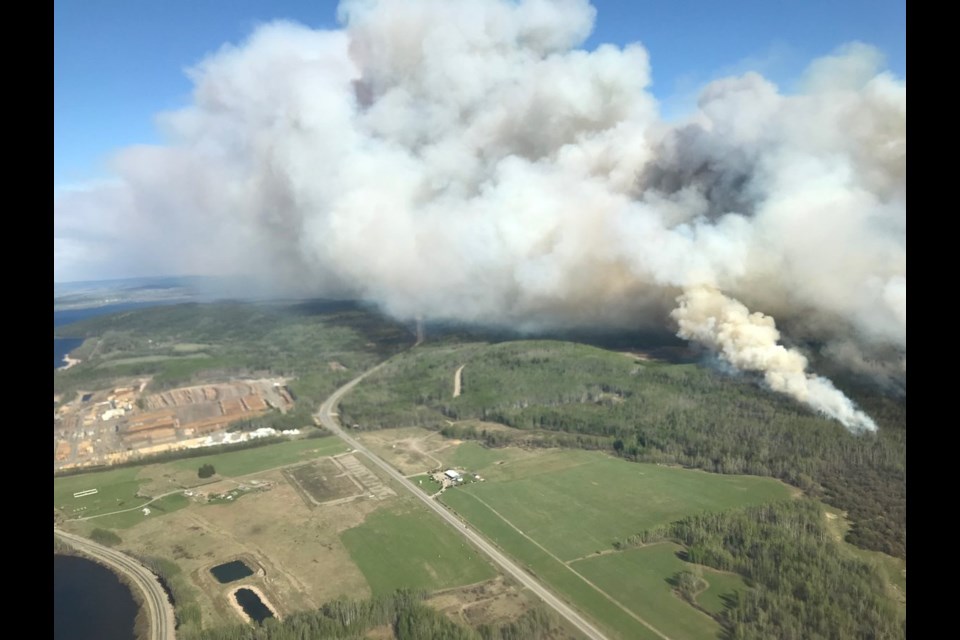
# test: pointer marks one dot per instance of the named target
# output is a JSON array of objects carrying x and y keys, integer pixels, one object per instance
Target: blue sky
[{"x": 118, "y": 64}]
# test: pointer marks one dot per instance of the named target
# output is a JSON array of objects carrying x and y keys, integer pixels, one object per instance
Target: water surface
[
  {"x": 252, "y": 605},
  {"x": 90, "y": 602},
  {"x": 231, "y": 571}
]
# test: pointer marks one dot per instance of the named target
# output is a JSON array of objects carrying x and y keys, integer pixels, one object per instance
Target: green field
[
  {"x": 425, "y": 482},
  {"x": 551, "y": 497},
  {"x": 476, "y": 458},
  {"x": 240, "y": 463},
  {"x": 188, "y": 347},
  {"x": 547, "y": 568},
  {"x": 116, "y": 489},
  {"x": 128, "y": 519},
  {"x": 547, "y": 509},
  {"x": 406, "y": 547},
  {"x": 637, "y": 579},
  {"x": 720, "y": 585},
  {"x": 135, "y": 360}
]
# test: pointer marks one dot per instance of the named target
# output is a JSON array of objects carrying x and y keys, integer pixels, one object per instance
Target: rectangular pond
[{"x": 231, "y": 571}]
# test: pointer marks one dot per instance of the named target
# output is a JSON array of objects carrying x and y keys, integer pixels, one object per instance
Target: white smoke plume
[
  {"x": 748, "y": 341},
  {"x": 467, "y": 160}
]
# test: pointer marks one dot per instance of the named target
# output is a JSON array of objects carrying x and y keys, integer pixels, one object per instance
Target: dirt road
[{"x": 456, "y": 381}]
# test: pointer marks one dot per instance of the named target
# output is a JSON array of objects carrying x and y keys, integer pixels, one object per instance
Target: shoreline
[{"x": 70, "y": 362}]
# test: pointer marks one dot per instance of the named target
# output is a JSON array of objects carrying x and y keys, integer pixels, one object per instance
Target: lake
[{"x": 90, "y": 602}]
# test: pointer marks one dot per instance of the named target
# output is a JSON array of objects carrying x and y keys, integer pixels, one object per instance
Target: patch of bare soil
[{"x": 495, "y": 601}]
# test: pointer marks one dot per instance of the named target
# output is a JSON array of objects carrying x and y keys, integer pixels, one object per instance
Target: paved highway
[
  {"x": 327, "y": 418},
  {"x": 159, "y": 609}
]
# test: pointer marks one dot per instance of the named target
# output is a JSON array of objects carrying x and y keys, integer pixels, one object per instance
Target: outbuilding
[{"x": 453, "y": 475}]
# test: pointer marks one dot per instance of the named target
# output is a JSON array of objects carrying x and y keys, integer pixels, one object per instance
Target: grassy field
[
  {"x": 405, "y": 547},
  {"x": 720, "y": 585},
  {"x": 549, "y": 508},
  {"x": 548, "y": 568},
  {"x": 136, "y": 360},
  {"x": 426, "y": 483},
  {"x": 127, "y": 519},
  {"x": 239, "y": 463},
  {"x": 638, "y": 578},
  {"x": 116, "y": 489},
  {"x": 551, "y": 496},
  {"x": 475, "y": 457}
]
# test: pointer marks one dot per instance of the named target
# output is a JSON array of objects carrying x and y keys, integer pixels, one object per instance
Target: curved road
[
  {"x": 327, "y": 418},
  {"x": 159, "y": 609}
]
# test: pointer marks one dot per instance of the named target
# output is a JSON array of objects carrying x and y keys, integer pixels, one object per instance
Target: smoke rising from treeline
[{"x": 465, "y": 160}]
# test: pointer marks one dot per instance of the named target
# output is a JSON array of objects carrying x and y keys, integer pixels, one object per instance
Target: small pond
[
  {"x": 231, "y": 571},
  {"x": 252, "y": 605}
]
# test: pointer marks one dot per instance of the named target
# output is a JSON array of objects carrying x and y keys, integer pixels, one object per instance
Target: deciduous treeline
[
  {"x": 802, "y": 584},
  {"x": 404, "y": 611}
]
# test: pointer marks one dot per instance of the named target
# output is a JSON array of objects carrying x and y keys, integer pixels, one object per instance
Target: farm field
[
  {"x": 576, "y": 503},
  {"x": 403, "y": 547},
  {"x": 637, "y": 579},
  {"x": 550, "y": 508},
  {"x": 239, "y": 463},
  {"x": 609, "y": 614},
  {"x": 475, "y": 457}
]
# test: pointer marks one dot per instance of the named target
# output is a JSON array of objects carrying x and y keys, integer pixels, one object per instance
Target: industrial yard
[{"x": 122, "y": 423}]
